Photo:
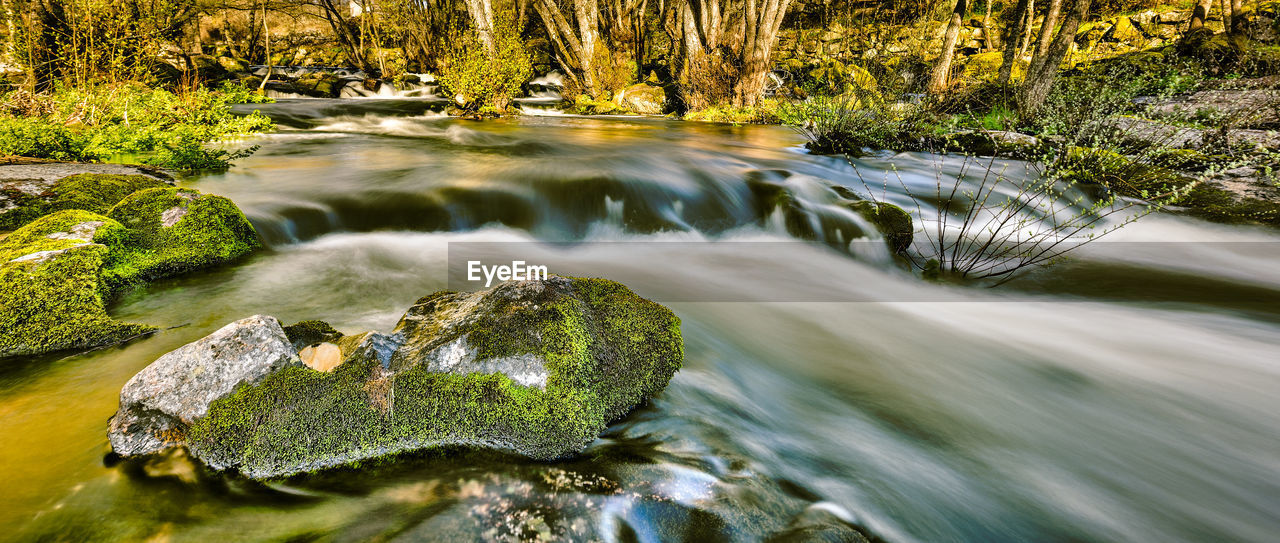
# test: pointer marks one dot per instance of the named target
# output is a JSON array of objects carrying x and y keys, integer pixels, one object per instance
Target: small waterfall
[
  {"x": 543, "y": 95},
  {"x": 288, "y": 82}
]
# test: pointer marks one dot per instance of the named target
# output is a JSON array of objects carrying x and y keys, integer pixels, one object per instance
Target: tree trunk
[
  {"x": 588, "y": 15},
  {"x": 570, "y": 40},
  {"x": 988, "y": 43},
  {"x": 1046, "y": 35},
  {"x": 347, "y": 34},
  {"x": 722, "y": 48},
  {"x": 1026, "y": 28},
  {"x": 761, "y": 32},
  {"x": 1014, "y": 40},
  {"x": 1199, "y": 14},
  {"x": 1046, "y": 30},
  {"x": 266, "y": 35},
  {"x": 1237, "y": 19},
  {"x": 942, "y": 70},
  {"x": 1036, "y": 88},
  {"x": 481, "y": 12}
]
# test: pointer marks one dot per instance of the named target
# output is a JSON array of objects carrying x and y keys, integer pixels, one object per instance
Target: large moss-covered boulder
[
  {"x": 985, "y": 66},
  {"x": 51, "y": 296},
  {"x": 534, "y": 368},
  {"x": 58, "y": 272},
  {"x": 177, "y": 230},
  {"x": 22, "y": 201}
]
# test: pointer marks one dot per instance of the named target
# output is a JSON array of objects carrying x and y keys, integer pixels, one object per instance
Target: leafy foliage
[
  {"x": 479, "y": 81},
  {"x": 859, "y": 120},
  {"x": 151, "y": 126}
]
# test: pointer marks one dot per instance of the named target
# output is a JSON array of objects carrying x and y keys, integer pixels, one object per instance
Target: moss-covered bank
[{"x": 52, "y": 294}]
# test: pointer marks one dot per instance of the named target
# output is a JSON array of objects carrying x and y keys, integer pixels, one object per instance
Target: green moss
[
  {"x": 1137, "y": 180},
  {"x": 57, "y": 302},
  {"x": 90, "y": 192},
  {"x": 1212, "y": 203},
  {"x": 99, "y": 192},
  {"x": 765, "y": 112},
  {"x": 1187, "y": 160},
  {"x": 895, "y": 224},
  {"x": 586, "y": 105},
  {"x": 24, "y": 208},
  {"x": 209, "y": 230},
  {"x": 310, "y": 332},
  {"x": 1088, "y": 165},
  {"x": 603, "y": 335}
]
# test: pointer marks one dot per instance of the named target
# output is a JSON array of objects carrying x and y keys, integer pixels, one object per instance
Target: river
[{"x": 1130, "y": 394}]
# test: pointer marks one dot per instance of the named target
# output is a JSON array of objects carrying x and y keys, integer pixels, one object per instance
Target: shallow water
[{"x": 1127, "y": 395}]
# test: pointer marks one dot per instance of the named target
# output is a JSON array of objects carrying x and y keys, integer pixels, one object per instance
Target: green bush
[
  {"x": 36, "y": 137},
  {"x": 765, "y": 112},
  {"x": 1103, "y": 89},
  {"x": 856, "y": 121},
  {"x": 482, "y": 83},
  {"x": 150, "y": 126}
]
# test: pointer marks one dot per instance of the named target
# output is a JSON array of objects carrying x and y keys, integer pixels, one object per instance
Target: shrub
[
  {"x": 479, "y": 81},
  {"x": 859, "y": 120},
  {"x": 765, "y": 112},
  {"x": 36, "y": 137},
  {"x": 151, "y": 126}
]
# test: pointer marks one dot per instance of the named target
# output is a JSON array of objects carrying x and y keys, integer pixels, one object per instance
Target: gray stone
[
  {"x": 1156, "y": 133},
  {"x": 176, "y": 389},
  {"x": 643, "y": 99},
  {"x": 1244, "y": 108}
]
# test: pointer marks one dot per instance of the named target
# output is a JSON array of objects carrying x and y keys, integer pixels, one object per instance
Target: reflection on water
[{"x": 1064, "y": 407}]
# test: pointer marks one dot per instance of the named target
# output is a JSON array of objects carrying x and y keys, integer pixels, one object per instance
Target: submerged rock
[
  {"x": 775, "y": 194},
  {"x": 535, "y": 368}
]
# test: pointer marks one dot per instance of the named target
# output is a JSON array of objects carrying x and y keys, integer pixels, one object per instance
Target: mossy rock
[
  {"x": 310, "y": 332},
  {"x": 1187, "y": 160},
  {"x": 87, "y": 191},
  {"x": 986, "y": 66},
  {"x": 586, "y": 105},
  {"x": 175, "y": 230},
  {"x": 772, "y": 194},
  {"x": 233, "y": 65},
  {"x": 50, "y": 288},
  {"x": 315, "y": 84},
  {"x": 535, "y": 368},
  {"x": 1118, "y": 173},
  {"x": 892, "y": 221},
  {"x": 61, "y": 269},
  {"x": 1126, "y": 177}
]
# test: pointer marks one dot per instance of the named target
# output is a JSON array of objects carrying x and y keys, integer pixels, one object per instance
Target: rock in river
[
  {"x": 58, "y": 271},
  {"x": 535, "y": 368},
  {"x": 177, "y": 388}
]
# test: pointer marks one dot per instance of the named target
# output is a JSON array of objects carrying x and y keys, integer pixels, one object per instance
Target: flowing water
[{"x": 1130, "y": 394}]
